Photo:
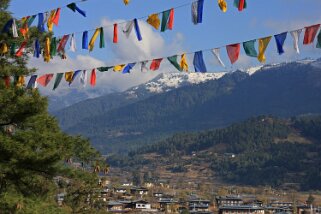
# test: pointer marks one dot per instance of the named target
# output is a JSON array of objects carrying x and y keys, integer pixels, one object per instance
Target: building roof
[{"x": 241, "y": 207}]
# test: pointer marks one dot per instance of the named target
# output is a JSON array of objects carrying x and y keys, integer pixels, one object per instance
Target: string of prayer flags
[
  {"x": 154, "y": 20},
  {"x": 216, "y": 52},
  {"x": 62, "y": 44},
  {"x": 102, "y": 38},
  {"x": 47, "y": 50},
  {"x": 68, "y": 76},
  {"x": 73, "y": 43},
  {"x": 83, "y": 78},
  {"x": 167, "y": 20},
  {"x": 128, "y": 28},
  {"x": 222, "y": 4},
  {"x": 21, "y": 49},
  {"x": 197, "y": 11},
  {"x": 32, "y": 82},
  {"x": 249, "y": 48},
  {"x": 93, "y": 78},
  {"x": 37, "y": 50},
  {"x": 119, "y": 67},
  {"x": 233, "y": 52},
  {"x": 319, "y": 40},
  {"x": 155, "y": 64},
  {"x": 128, "y": 68},
  {"x": 263, "y": 43},
  {"x": 137, "y": 30},
  {"x": 58, "y": 80},
  {"x": 143, "y": 66},
  {"x": 93, "y": 39},
  {"x": 173, "y": 61},
  {"x": 240, "y": 4},
  {"x": 198, "y": 62},
  {"x": 310, "y": 33},
  {"x": 280, "y": 39},
  {"x": 115, "y": 37},
  {"x": 45, "y": 79},
  {"x": 183, "y": 62},
  {"x": 85, "y": 40},
  {"x": 75, "y": 8},
  {"x": 296, "y": 36}
]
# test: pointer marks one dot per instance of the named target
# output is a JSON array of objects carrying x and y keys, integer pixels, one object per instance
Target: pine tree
[{"x": 34, "y": 152}]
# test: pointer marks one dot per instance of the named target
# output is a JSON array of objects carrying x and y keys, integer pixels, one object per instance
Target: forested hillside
[{"x": 259, "y": 151}]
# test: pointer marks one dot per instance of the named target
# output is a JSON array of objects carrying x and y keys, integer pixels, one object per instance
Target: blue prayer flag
[
  {"x": 279, "y": 39},
  {"x": 199, "y": 63}
]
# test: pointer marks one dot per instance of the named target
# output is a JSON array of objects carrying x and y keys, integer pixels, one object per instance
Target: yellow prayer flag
[
  {"x": 4, "y": 48},
  {"x": 263, "y": 43},
  {"x": 183, "y": 63},
  {"x": 126, "y": 2},
  {"x": 222, "y": 4},
  {"x": 47, "y": 50},
  {"x": 93, "y": 39},
  {"x": 119, "y": 67},
  {"x": 50, "y": 20},
  {"x": 21, "y": 81},
  {"x": 154, "y": 20},
  {"x": 68, "y": 76}
]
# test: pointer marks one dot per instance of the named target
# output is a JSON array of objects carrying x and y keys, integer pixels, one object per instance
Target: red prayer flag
[
  {"x": 310, "y": 33},
  {"x": 45, "y": 79},
  {"x": 241, "y": 5},
  {"x": 7, "y": 81},
  {"x": 93, "y": 78},
  {"x": 115, "y": 40},
  {"x": 55, "y": 19},
  {"x": 171, "y": 19},
  {"x": 233, "y": 52},
  {"x": 21, "y": 49},
  {"x": 63, "y": 43},
  {"x": 155, "y": 64}
]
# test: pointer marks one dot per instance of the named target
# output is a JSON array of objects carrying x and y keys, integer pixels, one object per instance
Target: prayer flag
[
  {"x": 4, "y": 48},
  {"x": 119, "y": 67},
  {"x": 126, "y": 2},
  {"x": 14, "y": 29},
  {"x": 32, "y": 82},
  {"x": 154, "y": 20},
  {"x": 115, "y": 39},
  {"x": 128, "y": 28},
  {"x": 167, "y": 20},
  {"x": 62, "y": 43},
  {"x": 21, "y": 49},
  {"x": 240, "y": 4},
  {"x": 83, "y": 78},
  {"x": 53, "y": 47},
  {"x": 216, "y": 52},
  {"x": 102, "y": 38},
  {"x": 45, "y": 79},
  {"x": 76, "y": 73},
  {"x": 72, "y": 43},
  {"x": 249, "y": 48},
  {"x": 222, "y": 4},
  {"x": 280, "y": 39},
  {"x": 183, "y": 63},
  {"x": 155, "y": 64},
  {"x": 144, "y": 67},
  {"x": 137, "y": 30},
  {"x": 263, "y": 43},
  {"x": 233, "y": 52},
  {"x": 55, "y": 19},
  {"x": 173, "y": 61},
  {"x": 197, "y": 11},
  {"x": 93, "y": 78},
  {"x": 20, "y": 81},
  {"x": 37, "y": 50},
  {"x": 46, "y": 55},
  {"x": 7, "y": 26},
  {"x": 93, "y": 39},
  {"x": 102, "y": 69},
  {"x": 128, "y": 68},
  {"x": 310, "y": 33},
  {"x": 319, "y": 40},
  {"x": 7, "y": 81},
  {"x": 296, "y": 36},
  {"x": 75, "y": 8},
  {"x": 68, "y": 76},
  {"x": 41, "y": 26},
  {"x": 58, "y": 80},
  {"x": 198, "y": 62},
  {"x": 85, "y": 40},
  {"x": 50, "y": 20}
]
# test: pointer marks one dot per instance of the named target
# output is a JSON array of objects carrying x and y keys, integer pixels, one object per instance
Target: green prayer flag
[
  {"x": 319, "y": 40},
  {"x": 164, "y": 20},
  {"x": 13, "y": 49},
  {"x": 102, "y": 38},
  {"x": 102, "y": 69},
  {"x": 249, "y": 48},
  {"x": 72, "y": 6},
  {"x": 53, "y": 47},
  {"x": 173, "y": 61},
  {"x": 31, "y": 19},
  {"x": 58, "y": 80}
]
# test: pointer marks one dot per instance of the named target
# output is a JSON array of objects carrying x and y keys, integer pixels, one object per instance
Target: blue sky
[{"x": 261, "y": 18}]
